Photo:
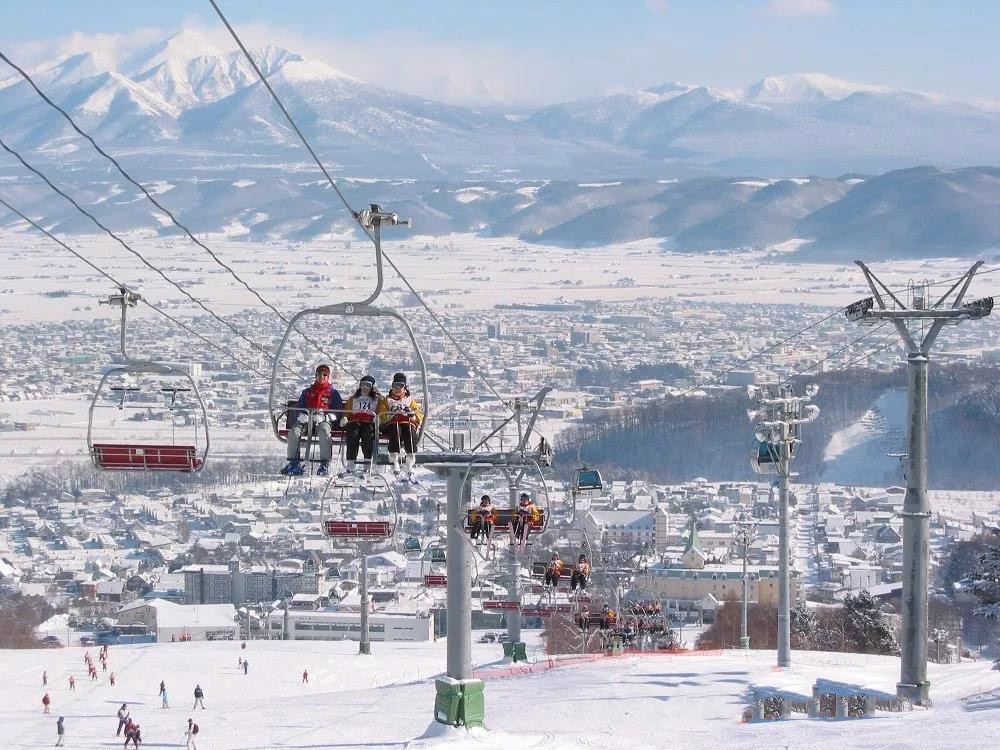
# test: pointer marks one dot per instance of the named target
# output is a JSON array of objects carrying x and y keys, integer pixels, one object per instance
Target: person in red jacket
[
  {"x": 318, "y": 405},
  {"x": 46, "y": 702}
]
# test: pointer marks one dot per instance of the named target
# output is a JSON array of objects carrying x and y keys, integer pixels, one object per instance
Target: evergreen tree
[
  {"x": 865, "y": 627},
  {"x": 803, "y": 625},
  {"x": 985, "y": 581}
]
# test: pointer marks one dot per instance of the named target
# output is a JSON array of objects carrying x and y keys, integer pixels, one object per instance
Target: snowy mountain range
[
  {"x": 204, "y": 106},
  {"x": 806, "y": 151}
]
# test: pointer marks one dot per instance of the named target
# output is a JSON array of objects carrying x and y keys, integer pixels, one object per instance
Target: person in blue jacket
[{"x": 320, "y": 406}]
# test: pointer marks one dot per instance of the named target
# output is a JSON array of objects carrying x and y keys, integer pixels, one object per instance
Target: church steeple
[{"x": 693, "y": 558}]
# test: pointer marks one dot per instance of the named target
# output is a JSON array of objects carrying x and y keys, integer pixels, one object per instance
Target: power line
[
  {"x": 163, "y": 208},
  {"x": 117, "y": 283},
  {"x": 138, "y": 255},
  {"x": 260, "y": 74}
]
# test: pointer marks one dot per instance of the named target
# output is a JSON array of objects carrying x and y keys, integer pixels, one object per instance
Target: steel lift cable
[
  {"x": 163, "y": 208},
  {"x": 260, "y": 74},
  {"x": 138, "y": 255},
  {"x": 117, "y": 283}
]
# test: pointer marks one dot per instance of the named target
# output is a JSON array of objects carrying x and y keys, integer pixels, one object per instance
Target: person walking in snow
[
  {"x": 190, "y": 734},
  {"x": 199, "y": 697},
  {"x": 246, "y": 665},
  {"x": 305, "y": 676},
  {"x": 45, "y": 678},
  {"x": 163, "y": 687},
  {"x": 111, "y": 677},
  {"x": 133, "y": 735},
  {"x": 164, "y": 703},
  {"x": 123, "y": 719},
  {"x": 46, "y": 701},
  {"x": 72, "y": 682},
  {"x": 313, "y": 418},
  {"x": 399, "y": 419},
  {"x": 60, "y": 732}
]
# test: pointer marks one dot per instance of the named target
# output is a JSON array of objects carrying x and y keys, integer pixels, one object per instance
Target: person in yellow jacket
[
  {"x": 399, "y": 418},
  {"x": 526, "y": 515}
]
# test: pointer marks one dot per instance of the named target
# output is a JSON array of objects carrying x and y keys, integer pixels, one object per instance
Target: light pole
[
  {"x": 365, "y": 646},
  {"x": 743, "y": 537},
  {"x": 777, "y": 422},
  {"x": 910, "y": 322}
]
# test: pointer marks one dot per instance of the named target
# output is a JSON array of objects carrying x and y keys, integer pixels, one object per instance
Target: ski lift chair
[
  {"x": 360, "y": 530},
  {"x": 186, "y": 456}
]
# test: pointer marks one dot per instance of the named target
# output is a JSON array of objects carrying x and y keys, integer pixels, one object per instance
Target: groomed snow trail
[{"x": 386, "y": 700}]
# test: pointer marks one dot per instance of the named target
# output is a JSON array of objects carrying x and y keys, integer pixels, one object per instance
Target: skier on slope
[{"x": 123, "y": 719}]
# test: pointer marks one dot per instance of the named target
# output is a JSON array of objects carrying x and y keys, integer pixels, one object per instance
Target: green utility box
[
  {"x": 448, "y": 703},
  {"x": 515, "y": 651},
  {"x": 460, "y": 702},
  {"x": 473, "y": 711},
  {"x": 519, "y": 652}
]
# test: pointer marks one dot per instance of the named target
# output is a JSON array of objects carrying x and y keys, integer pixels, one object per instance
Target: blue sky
[{"x": 537, "y": 51}]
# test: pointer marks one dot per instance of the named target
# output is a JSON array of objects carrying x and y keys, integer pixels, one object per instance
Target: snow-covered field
[
  {"x": 386, "y": 700},
  {"x": 461, "y": 271}
]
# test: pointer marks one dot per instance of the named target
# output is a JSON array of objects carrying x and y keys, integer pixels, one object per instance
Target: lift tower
[{"x": 918, "y": 325}]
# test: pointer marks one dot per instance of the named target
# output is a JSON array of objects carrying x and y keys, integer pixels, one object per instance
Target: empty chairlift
[{"x": 147, "y": 404}]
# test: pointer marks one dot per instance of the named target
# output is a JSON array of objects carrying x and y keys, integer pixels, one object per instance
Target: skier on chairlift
[
  {"x": 399, "y": 420},
  {"x": 313, "y": 418},
  {"x": 526, "y": 514},
  {"x": 483, "y": 517},
  {"x": 580, "y": 574},
  {"x": 553, "y": 571},
  {"x": 360, "y": 412}
]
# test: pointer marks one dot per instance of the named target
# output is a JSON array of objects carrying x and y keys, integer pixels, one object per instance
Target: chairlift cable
[
  {"x": 260, "y": 74},
  {"x": 134, "y": 252},
  {"x": 160, "y": 206},
  {"x": 228, "y": 352}
]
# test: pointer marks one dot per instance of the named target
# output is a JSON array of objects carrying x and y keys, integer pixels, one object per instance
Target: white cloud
[
  {"x": 799, "y": 8},
  {"x": 114, "y": 46}
]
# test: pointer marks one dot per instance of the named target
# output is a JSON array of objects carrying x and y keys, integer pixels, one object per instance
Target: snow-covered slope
[{"x": 386, "y": 700}]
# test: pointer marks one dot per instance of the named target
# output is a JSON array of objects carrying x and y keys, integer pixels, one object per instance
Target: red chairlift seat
[
  {"x": 338, "y": 434},
  {"x": 505, "y": 519},
  {"x": 132, "y": 457},
  {"x": 358, "y": 529},
  {"x": 538, "y": 569},
  {"x": 494, "y": 605},
  {"x": 435, "y": 580}
]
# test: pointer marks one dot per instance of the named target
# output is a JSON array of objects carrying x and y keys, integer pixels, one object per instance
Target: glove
[
  {"x": 302, "y": 418},
  {"x": 343, "y": 422}
]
